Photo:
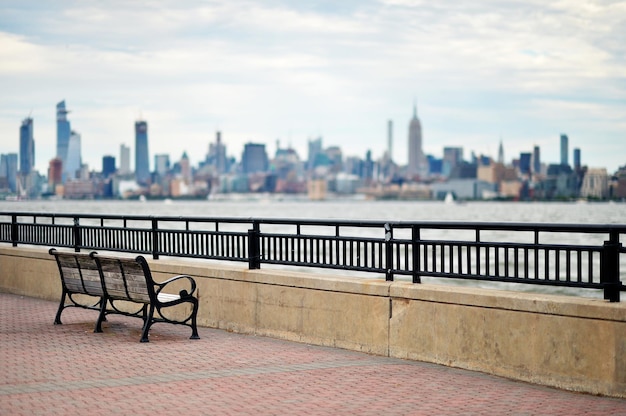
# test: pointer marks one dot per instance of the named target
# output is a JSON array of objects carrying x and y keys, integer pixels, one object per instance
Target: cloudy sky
[{"x": 523, "y": 72}]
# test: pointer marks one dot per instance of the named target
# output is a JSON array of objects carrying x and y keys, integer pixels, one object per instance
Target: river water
[
  {"x": 356, "y": 209},
  {"x": 266, "y": 207}
]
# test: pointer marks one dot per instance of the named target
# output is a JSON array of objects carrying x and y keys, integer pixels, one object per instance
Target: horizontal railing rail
[{"x": 573, "y": 255}]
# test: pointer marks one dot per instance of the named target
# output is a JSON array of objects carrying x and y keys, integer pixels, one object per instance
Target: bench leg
[
  {"x": 101, "y": 315},
  {"x": 57, "y": 318},
  {"x": 194, "y": 327},
  {"x": 147, "y": 323}
]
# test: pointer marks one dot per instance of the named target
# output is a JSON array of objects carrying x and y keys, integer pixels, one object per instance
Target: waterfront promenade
[{"x": 67, "y": 369}]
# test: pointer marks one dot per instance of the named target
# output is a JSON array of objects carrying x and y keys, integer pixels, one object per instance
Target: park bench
[
  {"x": 79, "y": 276},
  {"x": 125, "y": 280}
]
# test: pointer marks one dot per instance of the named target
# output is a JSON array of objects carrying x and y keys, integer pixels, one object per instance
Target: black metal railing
[{"x": 579, "y": 256}]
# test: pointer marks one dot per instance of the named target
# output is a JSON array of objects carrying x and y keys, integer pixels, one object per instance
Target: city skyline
[{"x": 267, "y": 71}]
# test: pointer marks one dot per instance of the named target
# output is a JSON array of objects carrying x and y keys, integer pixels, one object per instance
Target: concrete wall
[{"x": 567, "y": 342}]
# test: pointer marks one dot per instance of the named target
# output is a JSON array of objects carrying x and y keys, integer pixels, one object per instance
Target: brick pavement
[{"x": 67, "y": 369}]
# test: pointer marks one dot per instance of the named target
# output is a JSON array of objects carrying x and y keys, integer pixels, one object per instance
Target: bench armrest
[{"x": 183, "y": 293}]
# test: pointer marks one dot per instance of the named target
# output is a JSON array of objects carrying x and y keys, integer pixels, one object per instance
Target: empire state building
[{"x": 417, "y": 161}]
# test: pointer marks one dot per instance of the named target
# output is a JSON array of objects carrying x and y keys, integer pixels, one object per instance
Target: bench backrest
[
  {"x": 79, "y": 273},
  {"x": 126, "y": 278}
]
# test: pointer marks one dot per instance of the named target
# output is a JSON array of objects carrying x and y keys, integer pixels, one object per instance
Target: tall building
[
  {"x": 27, "y": 147},
  {"x": 4, "y": 173},
  {"x": 254, "y": 158},
  {"x": 162, "y": 164},
  {"x": 536, "y": 160},
  {"x": 63, "y": 131},
  {"x": 8, "y": 170},
  {"x": 564, "y": 145},
  {"x": 108, "y": 166},
  {"x": 501, "y": 153},
  {"x": 55, "y": 173},
  {"x": 315, "y": 149},
  {"x": 73, "y": 162},
  {"x": 217, "y": 154},
  {"x": 124, "y": 160},
  {"x": 417, "y": 161},
  {"x": 452, "y": 157},
  {"x": 142, "y": 159},
  {"x": 525, "y": 163},
  {"x": 577, "y": 164},
  {"x": 185, "y": 168}
]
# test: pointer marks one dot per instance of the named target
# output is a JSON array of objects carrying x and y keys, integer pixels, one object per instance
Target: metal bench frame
[{"x": 126, "y": 280}]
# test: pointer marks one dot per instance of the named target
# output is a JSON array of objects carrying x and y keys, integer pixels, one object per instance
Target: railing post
[
  {"x": 609, "y": 268},
  {"x": 78, "y": 241},
  {"x": 415, "y": 250},
  {"x": 254, "y": 246},
  {"x": 388, "y": 252},
  {"x": 155, "y": 238},
  {"x": 14, "y": 230}
]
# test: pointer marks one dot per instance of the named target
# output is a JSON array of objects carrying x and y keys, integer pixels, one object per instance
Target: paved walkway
[{"x": 67, "y": 369}]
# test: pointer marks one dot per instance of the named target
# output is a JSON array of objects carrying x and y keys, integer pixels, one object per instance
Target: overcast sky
[{"x": 523, "y": 72}]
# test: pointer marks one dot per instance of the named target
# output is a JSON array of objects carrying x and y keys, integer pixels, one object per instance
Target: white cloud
[{"x": 266, "y": 70}]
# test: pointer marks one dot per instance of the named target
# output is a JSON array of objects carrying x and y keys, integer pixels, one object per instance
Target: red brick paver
[{"x": 67, "y": 369}]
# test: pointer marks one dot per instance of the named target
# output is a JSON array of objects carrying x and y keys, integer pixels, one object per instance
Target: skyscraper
[
  {"x": 27, "y": 147},
  {"x": 536, "y": 160},
  {"x": 254, "y": 158},
  {"x": 73, "y": 160},
  {"x": 142, "y": 159},
  {"x": 162, "y": 164},
  {"x": 315, "y": 149},
  {"x": 452, "y": 157},
  {"x": 501, "y": 152},
  {"x": 108, "y": 165},
  {"x": 55, "y": 173},
  {"x": 63, "y": 131},
  {"x": 525, "y": 162},
  {"x": 564, "y": 144},
  {"x": 417, "y": 162},
  {"x": 185, "y": 168},
  {"x": 577, "y": 164},
  {"x": 124, "y": 160},
  {"x": 217, "y": 154},
  {"x": 8, "y": 167}
]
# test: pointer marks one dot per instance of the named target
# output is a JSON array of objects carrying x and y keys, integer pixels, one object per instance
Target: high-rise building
[
  {"x": 142, "y": 158},
  {"x": 577, "y": 164},
  {"x": 564, "y": 145},
  {"x": 217, "y": 154},
  {"x": 417, "y": 161},
  {"x": 254, "y": 158},
  {"x": 501, "y": 153},
  {"x": 55, "y": 173},
  {"x": 27, "y": 147},
  {"x": 8, "y": 170},
  {"x": 185, "y": 168},
  {"x": 315, "y": 149},
  {"x": 108, "y": 166},
  {"x": 452, "y": 157},
  {"x": 525, "y": 163},
  {"x": 162, "y": 164},
  {"x": 536, "y": 160},
  {"x": 4, "y": 174},
  {"x": 71, "y": 167},
  {"x": 63, "y": 131},
  {"x": 124, "y": 160}
]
